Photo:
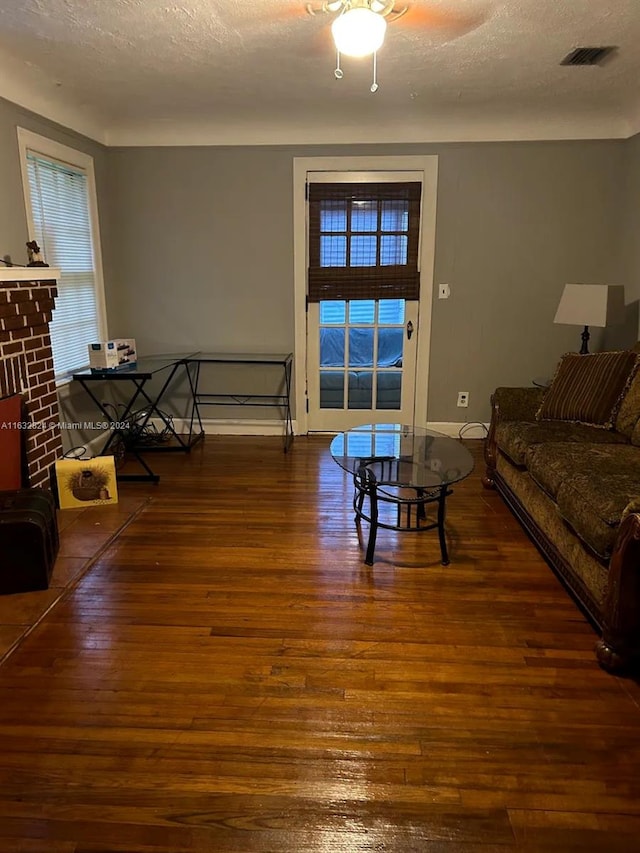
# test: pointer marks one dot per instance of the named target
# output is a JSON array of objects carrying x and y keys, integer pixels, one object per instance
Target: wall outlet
[
  {"x": 444, "y": 291},
  {"x": 463, "y": 399}
]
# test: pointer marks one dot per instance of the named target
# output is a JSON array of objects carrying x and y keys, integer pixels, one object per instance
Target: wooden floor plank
[{"x": 230, "y": 676}]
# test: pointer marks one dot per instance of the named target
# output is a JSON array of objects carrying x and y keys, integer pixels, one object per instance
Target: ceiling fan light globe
[{"x": 358, "y": 32}]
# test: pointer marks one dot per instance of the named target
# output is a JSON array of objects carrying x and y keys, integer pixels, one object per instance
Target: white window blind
[{"x": 62, "y": 228}]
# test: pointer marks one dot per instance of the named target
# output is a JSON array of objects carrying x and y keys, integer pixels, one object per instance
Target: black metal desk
[
  {"x": 282, "y": 400},
  {"x": 169, "y": 365}
]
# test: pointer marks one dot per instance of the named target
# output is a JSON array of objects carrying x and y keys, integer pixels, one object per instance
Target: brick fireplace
[{"x": 27, "y": 299}]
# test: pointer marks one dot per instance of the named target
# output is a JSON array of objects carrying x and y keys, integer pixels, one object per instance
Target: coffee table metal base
[{"x": 411, "y": 509}]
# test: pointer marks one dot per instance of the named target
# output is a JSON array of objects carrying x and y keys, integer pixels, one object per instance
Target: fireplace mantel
[{"x": 29, "y": 274}]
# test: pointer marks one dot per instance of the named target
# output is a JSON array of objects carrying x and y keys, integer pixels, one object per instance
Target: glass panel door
[{"x": 361, "y": 362}]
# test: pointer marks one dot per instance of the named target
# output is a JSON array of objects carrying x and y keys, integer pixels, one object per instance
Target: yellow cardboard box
[{"x": 86, "y": 482}]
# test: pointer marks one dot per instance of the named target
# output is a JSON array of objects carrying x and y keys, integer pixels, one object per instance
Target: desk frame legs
[
  {"x": 282, "y": 401},
  {"x": 184, "y": 446},
  {"x": 117, "y": 432},
  {"x": 288, "y": 422},
  {"x": 122, "y": 434}
]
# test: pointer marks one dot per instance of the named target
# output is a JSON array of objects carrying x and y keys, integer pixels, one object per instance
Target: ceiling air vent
[{"x": 587, "y": 56}]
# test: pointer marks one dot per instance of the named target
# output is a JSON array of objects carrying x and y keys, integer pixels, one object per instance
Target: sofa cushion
[
  {"x": 584, "y": 519},
  {"x": 514, "y": 438},
  {"x": 552, "y": 464},
  {"x": 593, "y": 499},
  {"x": 588, "y": 389}
]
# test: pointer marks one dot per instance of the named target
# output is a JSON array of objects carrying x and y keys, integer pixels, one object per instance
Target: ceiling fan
[
  {"x": 359, "y": 26},
  {"x": 384, "y": 8}
]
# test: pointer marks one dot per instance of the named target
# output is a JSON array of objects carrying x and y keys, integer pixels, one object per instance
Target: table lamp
[{"x": 590, "y": 305}]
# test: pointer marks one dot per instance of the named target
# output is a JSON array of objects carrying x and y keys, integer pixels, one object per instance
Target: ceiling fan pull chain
[
  {"x": 374, "y": 85},
  {"x": 339, "y": 74}
]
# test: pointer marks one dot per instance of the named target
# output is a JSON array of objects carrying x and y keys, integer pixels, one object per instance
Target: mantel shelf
[{"x": 29, "y": 274}]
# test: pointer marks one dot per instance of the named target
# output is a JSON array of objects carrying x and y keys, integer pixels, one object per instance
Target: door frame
[{"x": 428, "y": 165}]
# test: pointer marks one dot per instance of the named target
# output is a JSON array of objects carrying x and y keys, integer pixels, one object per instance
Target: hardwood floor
[
  {"x": 230, "y": 676},
  {"x": 84, "y": 533}
]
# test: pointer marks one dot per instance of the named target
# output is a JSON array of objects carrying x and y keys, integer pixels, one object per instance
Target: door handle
[{"x": 409, "y": 330}]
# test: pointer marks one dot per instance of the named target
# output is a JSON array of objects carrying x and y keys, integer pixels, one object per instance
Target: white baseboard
[
  {"x": 230, "y": 426},
  {"x": 250, "y": 426}
]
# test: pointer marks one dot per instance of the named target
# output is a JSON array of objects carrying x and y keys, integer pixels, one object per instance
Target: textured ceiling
[{"x": 261, "y": 71}]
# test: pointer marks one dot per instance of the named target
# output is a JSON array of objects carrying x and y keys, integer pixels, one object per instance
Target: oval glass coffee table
[{"x": 398, "y": 471}]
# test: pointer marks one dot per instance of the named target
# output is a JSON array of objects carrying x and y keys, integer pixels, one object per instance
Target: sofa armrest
[
  {"x": 516, "y": 404},
  {"x": 508, "y": 404},
  {"x": 619, "y": 647}
]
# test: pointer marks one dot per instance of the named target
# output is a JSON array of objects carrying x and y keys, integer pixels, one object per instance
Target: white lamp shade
[
  {"x": 591, "y": 305},
  {"x": 358, "y": 32}
]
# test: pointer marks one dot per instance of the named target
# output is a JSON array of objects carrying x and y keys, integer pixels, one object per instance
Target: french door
[
  {"x": 363, "y": 285},
  {"x": 361, "y": 362},
  {"x": 409, "y": 372}
]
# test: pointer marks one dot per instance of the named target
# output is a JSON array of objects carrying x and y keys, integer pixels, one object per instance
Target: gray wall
[
  {"x": 197, "y": 246},
  {"x": 626, "y": 251},
  {"x": 630, "y": 230},
  {"x": 515, "y": 223},
  {"x": 202, "y": 248}
]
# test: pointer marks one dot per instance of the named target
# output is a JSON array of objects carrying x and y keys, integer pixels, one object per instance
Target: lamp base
[{"x": 584, "y": 350}]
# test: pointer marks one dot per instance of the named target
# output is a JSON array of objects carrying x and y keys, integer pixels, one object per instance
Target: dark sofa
[{"x": 575, "y": 488}]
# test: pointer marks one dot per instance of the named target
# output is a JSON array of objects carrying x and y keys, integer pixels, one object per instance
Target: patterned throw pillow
[
  {"x": 588, "y": 389},
  {"x": 629, "y": 410}
]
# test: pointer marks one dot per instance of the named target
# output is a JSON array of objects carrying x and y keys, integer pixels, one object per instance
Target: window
[
  {"x": 367, "y": 337},
  {"x": 363, "y": 240},
  {"x": 62, "y": 214}
]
